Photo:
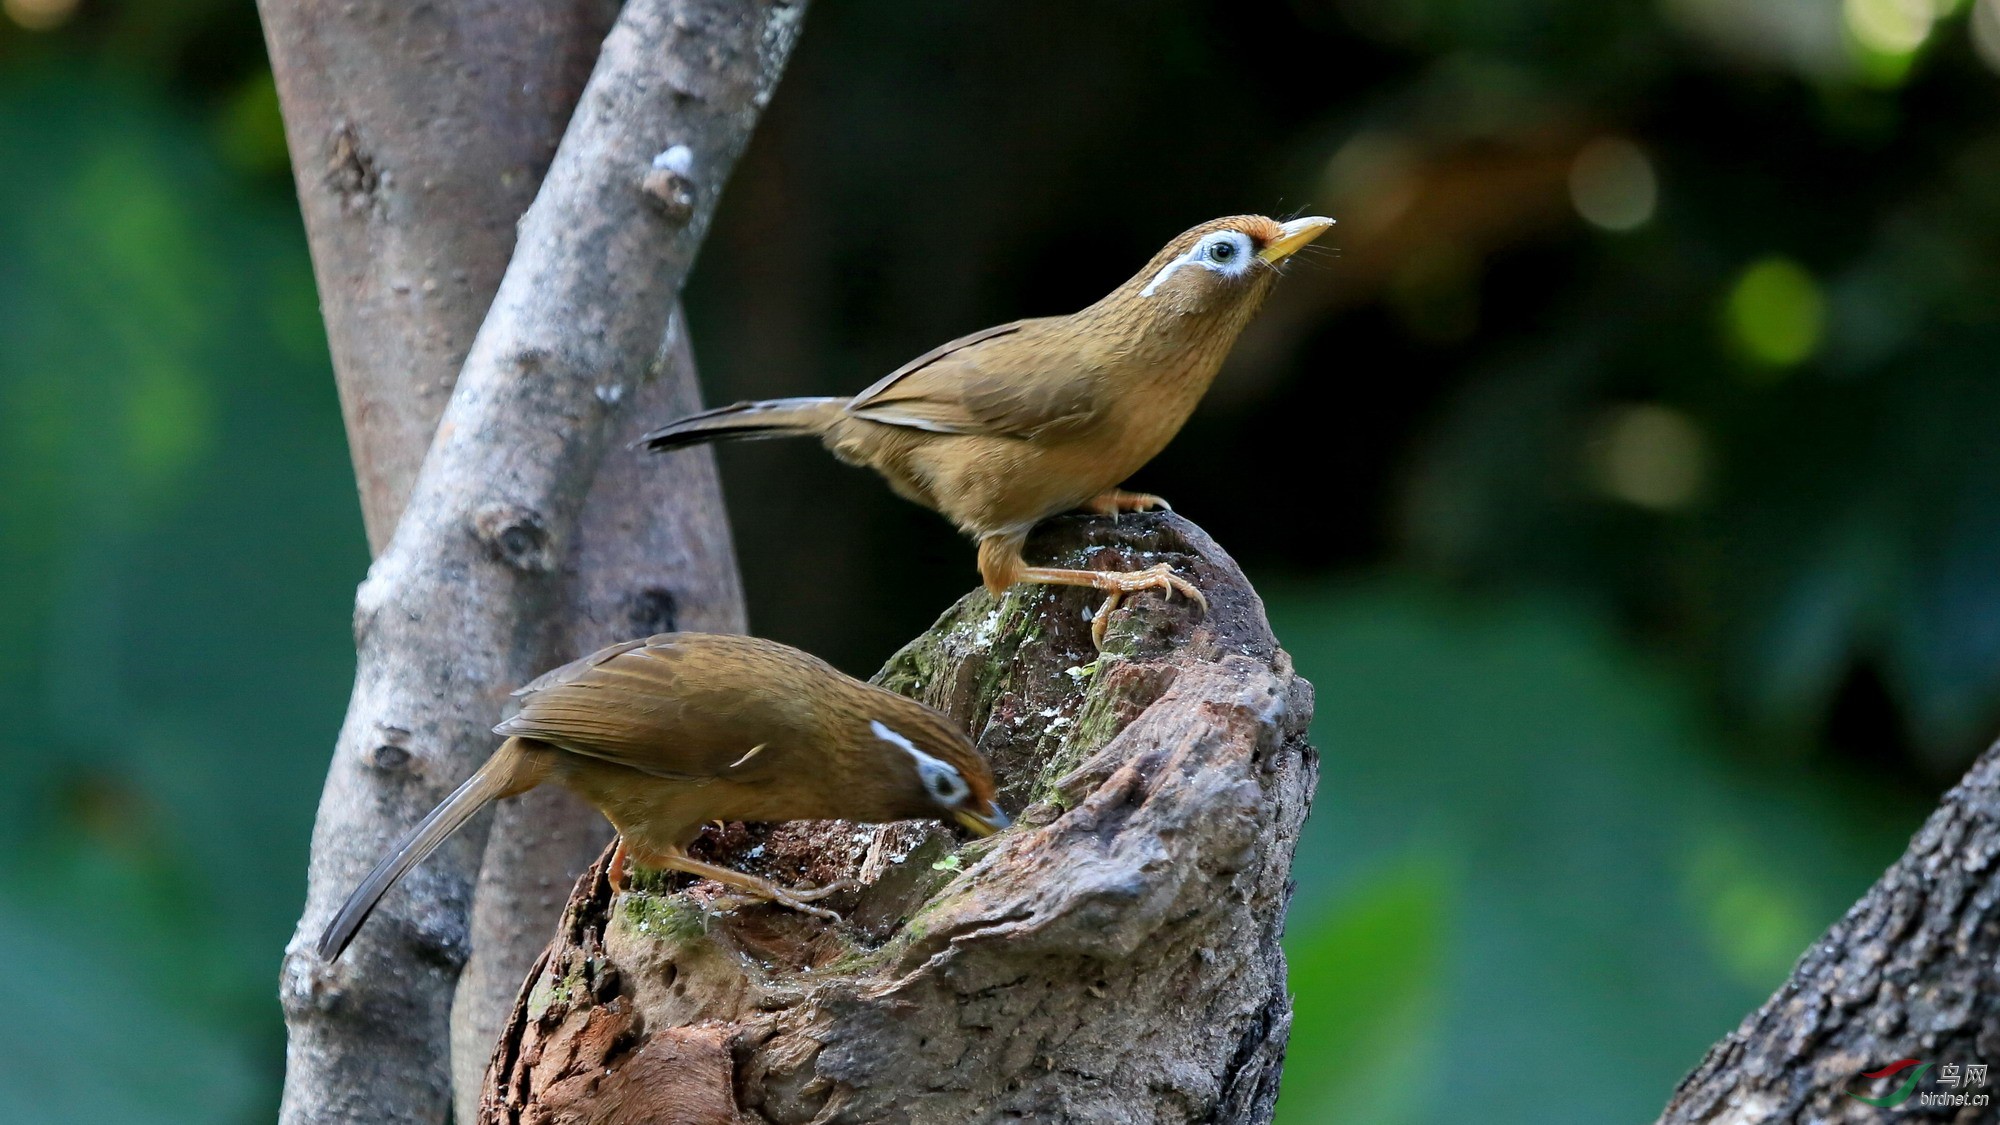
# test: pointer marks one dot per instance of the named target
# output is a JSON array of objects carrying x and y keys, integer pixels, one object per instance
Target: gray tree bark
[
  {"x": 1908, "y": 973},
  {"x": 498, "y": 567},
  {"x": 1115, "y": 958},
  {"x": 420, "y": 137},
  {"x": 419, "y": 134}
]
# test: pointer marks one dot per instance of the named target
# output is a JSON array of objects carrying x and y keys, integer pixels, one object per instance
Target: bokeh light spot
[
  {"x": 1776, "y": 313},
  {"x": 1650, "y": 455},
  {"x": 1755, "y": 922},
  {"x": 39, "y": 15},
  {"x": 1890, "y": 27},
  {"x": 1373, "y": 177},
  {"x": 1612, "y": 184},
  {"x": 1986, "y": 32}
]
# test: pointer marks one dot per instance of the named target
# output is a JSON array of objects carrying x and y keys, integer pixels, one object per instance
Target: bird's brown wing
[
  {"x": 666, "y": 706},
  {"x": 987, "y": 383}
]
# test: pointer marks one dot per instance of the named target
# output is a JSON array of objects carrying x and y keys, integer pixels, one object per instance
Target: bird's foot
[
  {"x": 1159, "y": 577},
  {"x": 800, "y": 900},
  {"x": 1118, "y": 500}
]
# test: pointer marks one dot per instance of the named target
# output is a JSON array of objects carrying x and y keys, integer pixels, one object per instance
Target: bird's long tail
[
  {"x": 747, "y": 421},
  {"x": 510, "y": 770}
]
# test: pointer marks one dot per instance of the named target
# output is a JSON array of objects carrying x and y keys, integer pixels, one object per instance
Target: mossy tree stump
[{"x": 1113, "y": 958}]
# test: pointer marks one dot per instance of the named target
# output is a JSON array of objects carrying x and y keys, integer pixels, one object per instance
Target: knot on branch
[
  {"x": 1113, "y": 958},
  {"x": 669, "y": 184},
  {"x": 350, "y": 170},
  {"x": 516, "y": 536},
  {"x": 652, "y": 610},
  {"x": 391, "y": 754}
]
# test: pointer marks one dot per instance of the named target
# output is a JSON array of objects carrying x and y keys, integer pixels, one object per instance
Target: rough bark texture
[
  {"x": 419, "y": 134},
  {"x": 1908, "y": 973},
  {"x": 467, "y": 598},
  {"x": 652, "y": 555},
  {"x": 1114, "y": 958}
]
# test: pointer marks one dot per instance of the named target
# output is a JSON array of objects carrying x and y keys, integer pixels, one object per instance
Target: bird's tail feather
[
  {"x": 501, "y": 776},
  {"x": 747, "y": 421}
]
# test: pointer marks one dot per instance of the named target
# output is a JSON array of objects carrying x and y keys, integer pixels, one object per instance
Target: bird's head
[
  {"x": 934, "y": 769},
  {"x": 1222, "y": 263}
]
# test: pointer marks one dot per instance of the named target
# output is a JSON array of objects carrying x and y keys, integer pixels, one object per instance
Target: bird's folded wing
[
  {"x": 985, "y": 383},
  {"x": 624, "y": 705}
]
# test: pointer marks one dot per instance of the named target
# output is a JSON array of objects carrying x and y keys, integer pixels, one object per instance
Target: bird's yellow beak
[
  {"x": 1295, "y": 234},
  {"x": 983, "y": 823}
]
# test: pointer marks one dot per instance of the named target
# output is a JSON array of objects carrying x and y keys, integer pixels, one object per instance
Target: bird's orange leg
[
  {"x": 753, "y": 889},
  {"x": 1118, "y": 500},
  {"x": 619, "y": 871},
  {"x": 1001, "y": 565}
]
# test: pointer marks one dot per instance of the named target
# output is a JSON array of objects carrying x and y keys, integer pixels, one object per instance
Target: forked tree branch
[
  {"x": 420, "y": 136},
  {"x": 464, "y": 601}
]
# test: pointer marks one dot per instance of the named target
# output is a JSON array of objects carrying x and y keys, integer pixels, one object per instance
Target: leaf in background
[{"x": 1365, "y": 979}]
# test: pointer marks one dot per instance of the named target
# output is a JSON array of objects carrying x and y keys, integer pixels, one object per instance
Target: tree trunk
[
  {"x": 470, "y": 596},
  {"x": 1907, "y": 974},
  {"x": 652, "y": 555},
  {"x": 1114, "y": 958},
  {"x": 420, "y": 136}
]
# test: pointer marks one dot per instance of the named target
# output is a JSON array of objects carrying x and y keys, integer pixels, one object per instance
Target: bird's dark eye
[
  {"x": 942, "y": 786},
  {"x": 1221, "y": 251}
]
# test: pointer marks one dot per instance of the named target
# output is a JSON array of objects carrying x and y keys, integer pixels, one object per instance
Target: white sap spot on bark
[{"x": 679, "y": 160}]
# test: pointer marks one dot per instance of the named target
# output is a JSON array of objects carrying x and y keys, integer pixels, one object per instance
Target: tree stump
[{"x": 1114, "y": 957}]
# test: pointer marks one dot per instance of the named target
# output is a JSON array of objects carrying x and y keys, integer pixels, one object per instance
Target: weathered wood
[
  {"x": 1908, "y": 973},
  {"x": 466, "y": 599},
  {"x": 1114, "y": 958}
]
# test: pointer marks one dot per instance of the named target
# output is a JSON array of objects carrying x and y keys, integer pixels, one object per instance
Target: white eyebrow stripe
[
  {"x": 1197, "y": 255},
  {"x": 1167, "y": 270},
  {"x": 923, "y": 760}
]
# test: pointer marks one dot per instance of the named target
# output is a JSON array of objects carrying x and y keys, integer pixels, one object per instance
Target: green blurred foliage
[
  {"x": 1535, "y": 881},
  {"x": 1619, "y": 471},
  {"x": 180, "y": 534}
]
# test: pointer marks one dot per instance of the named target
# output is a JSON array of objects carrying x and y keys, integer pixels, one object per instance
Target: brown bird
[
  {"x": 666, "y": 734},
  {"x": 1006, "y": 427}
]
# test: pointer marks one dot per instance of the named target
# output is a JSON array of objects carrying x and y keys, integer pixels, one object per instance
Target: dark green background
[{"x": 1650, "y": 578}]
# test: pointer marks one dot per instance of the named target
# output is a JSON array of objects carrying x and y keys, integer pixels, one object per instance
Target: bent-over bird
[
  {"x": 666, "y": 734},
  {"x": 1005, "y": 427}
]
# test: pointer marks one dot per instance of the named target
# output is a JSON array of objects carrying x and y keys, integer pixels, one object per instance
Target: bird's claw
[
  {"x": 1159, "y": 577},
  {"x": 799, "y": 900},
  {"x": 1115, "y": 502}
]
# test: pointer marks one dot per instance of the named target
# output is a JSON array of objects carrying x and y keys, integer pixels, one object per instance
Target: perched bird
[
  {"x": 1006, "y": 427},
  {"x": 666, "y": 734}
]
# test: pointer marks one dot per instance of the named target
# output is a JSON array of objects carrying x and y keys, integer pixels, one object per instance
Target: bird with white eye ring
[
  {"x": 1008, "y": 426},
  {"x": 666, "y": 734}
]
